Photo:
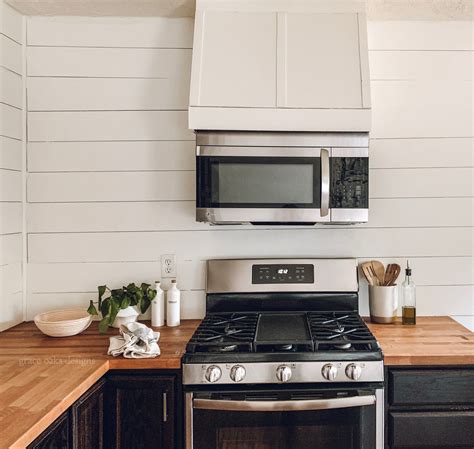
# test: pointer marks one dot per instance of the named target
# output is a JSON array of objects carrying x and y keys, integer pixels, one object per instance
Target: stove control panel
[
  {"x": 283, "y": 274},
  {"x": 287, "y": 372}
]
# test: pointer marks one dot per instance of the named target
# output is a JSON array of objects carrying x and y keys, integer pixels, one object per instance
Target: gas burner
[{"x": 222, "y": 333}]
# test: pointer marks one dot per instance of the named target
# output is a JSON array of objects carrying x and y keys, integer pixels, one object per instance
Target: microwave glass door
[
  {"x": 345, "y": 427},
  {"x": 259, "y": 182}
]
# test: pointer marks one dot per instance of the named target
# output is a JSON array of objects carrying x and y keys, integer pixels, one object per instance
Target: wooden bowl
[{"x": 63, "y": 323}]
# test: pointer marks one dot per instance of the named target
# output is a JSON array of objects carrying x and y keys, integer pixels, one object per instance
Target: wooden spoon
[
  {"x": 379, "y": 271},
  {"x": 391, "y": 275},
  {"x": 369, "y": 273}
]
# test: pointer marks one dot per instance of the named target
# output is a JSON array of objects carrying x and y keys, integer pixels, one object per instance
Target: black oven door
[
  {"x": 285, "y": 420},
  {"x": 262, "y": 185}
]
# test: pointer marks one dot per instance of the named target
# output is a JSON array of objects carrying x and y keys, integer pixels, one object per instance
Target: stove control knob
[
  {"x": 237, "y": 373},
  {"x": 283, "y": 373},
  {"x": 353, "y": 371},
  {"x": 329, "y": 371},
  {"x": 213, "y": 374}
]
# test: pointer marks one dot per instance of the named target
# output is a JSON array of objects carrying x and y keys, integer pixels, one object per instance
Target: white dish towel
[{"x": 136, "y": 341}]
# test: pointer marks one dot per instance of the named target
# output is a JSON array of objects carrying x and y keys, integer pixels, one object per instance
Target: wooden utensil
[
  {"x": 379, "y": 271},
  {"x": 369, "y": 274},
  {"x": 391, "y": 275}
]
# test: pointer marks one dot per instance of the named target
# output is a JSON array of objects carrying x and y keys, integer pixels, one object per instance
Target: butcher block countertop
[{"x": 40, "y": 377}]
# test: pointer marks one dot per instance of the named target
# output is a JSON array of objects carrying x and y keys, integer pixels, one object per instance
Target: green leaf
[
  {"x": 102, "y": 289},
  {"x": 144, "y": 287},
  {"x": 144, "y": 304},
  {"x": 91, "y": 310},
  {"x": 103, "y": 325},
  {"x": 125, "y": 302},
  {"x": 151, "y": 293},
  {"x": 105, "y": 307},
  {"x": 114, "y": 309}
]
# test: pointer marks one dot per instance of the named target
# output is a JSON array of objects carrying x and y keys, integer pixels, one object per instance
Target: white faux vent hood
[{"x": 273, "y": 65}]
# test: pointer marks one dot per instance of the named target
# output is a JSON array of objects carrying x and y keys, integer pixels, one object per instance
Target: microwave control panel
[
  {"x": 349, "y": 182},
  {"x": 283, "y": 274}
]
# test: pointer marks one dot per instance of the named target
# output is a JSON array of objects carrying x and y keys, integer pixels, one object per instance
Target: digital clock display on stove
[{"x": 283, "y": 274}]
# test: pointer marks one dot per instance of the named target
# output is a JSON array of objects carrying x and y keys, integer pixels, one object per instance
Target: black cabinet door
[
  {"x": 56, "y": 436},
  {"x": 88, "y": 419},
  {"x": 140, "y": 412}
]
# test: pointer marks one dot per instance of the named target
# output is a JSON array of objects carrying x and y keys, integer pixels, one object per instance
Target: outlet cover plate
[{"x": 168, "y": 265}]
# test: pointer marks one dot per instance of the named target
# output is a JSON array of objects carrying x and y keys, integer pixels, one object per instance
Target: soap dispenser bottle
[
  {"x": 173, "y": 304},
  {"x": 408, "y": 298}
]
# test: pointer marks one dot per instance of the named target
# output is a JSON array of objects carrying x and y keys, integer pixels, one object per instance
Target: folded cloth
[{"x": 136, "y": 341}]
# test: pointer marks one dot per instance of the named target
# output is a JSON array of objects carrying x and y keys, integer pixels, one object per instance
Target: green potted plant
[{"x": 121, "y": 303}]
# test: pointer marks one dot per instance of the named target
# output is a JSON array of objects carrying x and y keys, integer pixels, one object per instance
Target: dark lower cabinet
[
  {"x": 141, "y": 411},
  {"x": 430, "y": 408},
  {"x": 87, "y": 418},
  {"x": 56, "y": 436}
]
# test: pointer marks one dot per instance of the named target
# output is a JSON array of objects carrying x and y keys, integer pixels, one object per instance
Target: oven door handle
[
  {"x": 283, "y": 406},
  {"x": 324, "y": 182}
]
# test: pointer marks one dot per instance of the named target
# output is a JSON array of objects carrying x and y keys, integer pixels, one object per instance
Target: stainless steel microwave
[{"x": 277, "y": 178}]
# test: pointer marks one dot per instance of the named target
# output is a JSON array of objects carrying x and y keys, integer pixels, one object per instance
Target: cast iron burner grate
[
  {"x": 340, "y": 331},
  {"x": 282, "y": 333},
  {"x": 225, "y": 333}
]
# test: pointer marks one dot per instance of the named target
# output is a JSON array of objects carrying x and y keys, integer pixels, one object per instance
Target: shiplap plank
[
  {"x": 176, "y": 155},
  {"x": 111, "y": 125},
  {"x": 11, "y": 278},
  {"x": 192, "y": 303},
  {"x": 150, "y": 32},
  {"x": 180, "y": 185},
  {"x": 10, "y": 153},
  {"x": 11, "y": 55},
  {"x": 10, "y": 249},
  {"x": 10, "y": 185},
  {"x": 117, "y": 186},
  {"x": 111, "y": 156},
  {"x": 420, "y": 35},
  {"x": 11, "y": 218},
  {"x": 85, "y": 277},
  {"x": 10, "y": 121},
  {"x": 404, "y": 109},
  {"x": 426, "y": 182},
  {"x": 115, "y": 94},
  {"x": 11, "y": 310},
  {"x": 417, "y": 153},
  {"x": 169, "y": 215},
  {"x": 11, "y": 23},
  {"x": 11, "y": 88},
  {"x": 421, "y": 65},
  {"x": 142, "y": 246},
  {"x": 108, "y": 62}
]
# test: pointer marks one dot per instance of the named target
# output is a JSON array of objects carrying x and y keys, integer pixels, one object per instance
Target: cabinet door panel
[
  {"x": 431, "y": 429},
  {"x": 431, "y": 387},
  {"x": 88, "y": 419},
  {"x": 319, "y": 61},
  {"x": 236, "y": 64},
  {"x": 56, "y": 436},
  {"x": 138, "y": 416}
]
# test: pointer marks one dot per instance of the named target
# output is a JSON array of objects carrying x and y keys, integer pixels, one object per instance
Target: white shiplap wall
[
  {"x": 111, "y": 163},
  {"x": 11, "y": 166}
]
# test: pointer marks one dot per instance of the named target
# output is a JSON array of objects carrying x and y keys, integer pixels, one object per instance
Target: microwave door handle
[
  {"x": 324, "y": 182},
  {"x": 283, "y": 406}
]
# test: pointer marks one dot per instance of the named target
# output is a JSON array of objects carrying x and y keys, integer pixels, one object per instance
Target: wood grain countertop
[
  {"x": 432, "y": 341},
  {"x": 40, "y": 377}
]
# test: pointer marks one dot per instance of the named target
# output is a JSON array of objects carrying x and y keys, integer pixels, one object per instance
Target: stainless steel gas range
[{"x": 283, "y": 360}]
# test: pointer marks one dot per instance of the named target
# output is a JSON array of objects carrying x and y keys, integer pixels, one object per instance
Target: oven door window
[
  {"x": 340, "y": 428},
  {"x": 258, "y": 182}
]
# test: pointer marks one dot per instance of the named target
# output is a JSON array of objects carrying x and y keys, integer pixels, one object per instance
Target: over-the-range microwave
[{"x": 277, "y": 178}]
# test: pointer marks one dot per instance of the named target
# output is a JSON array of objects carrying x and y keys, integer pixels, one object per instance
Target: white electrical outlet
[{"x": 168, "y": 266}]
